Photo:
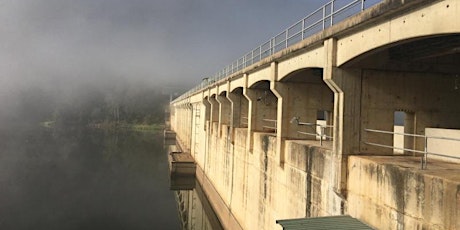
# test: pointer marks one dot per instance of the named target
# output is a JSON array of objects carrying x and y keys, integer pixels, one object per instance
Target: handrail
[
  {"x": 424, "y": 158},
  {"x": 322, "y": 133},
  {"x": 328, "y": 17},
  {"x": 244, "y": 120},
  {"x": 270, "y": 127}
]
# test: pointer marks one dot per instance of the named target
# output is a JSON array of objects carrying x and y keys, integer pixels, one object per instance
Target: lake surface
[{"x": 84, "y": 179}]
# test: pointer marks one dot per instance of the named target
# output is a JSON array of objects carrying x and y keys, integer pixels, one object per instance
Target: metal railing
[
  {"x": 324, "y": 17},
  {"x": 322, "y": 135},
  {"x": 424, "y": 158},
  {"x": 270, "y": 121},
  {"x": 244, "y": 120}
]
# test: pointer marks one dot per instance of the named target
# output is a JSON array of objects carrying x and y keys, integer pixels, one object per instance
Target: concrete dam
[{"x": 354, "y": 110}]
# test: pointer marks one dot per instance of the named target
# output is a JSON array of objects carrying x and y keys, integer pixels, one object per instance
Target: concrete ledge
[
  {"x": 394, "y": 192},
  {"x": 222, "y": 211}
]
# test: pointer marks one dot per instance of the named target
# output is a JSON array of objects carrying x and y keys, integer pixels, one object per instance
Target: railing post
[
  {"x": 332, "y": 12},
  {"x": 260, "y": 51},
  {"x": 324, "y": 16},
  {"x": 303, "y": 28},
  {"x": 286, "y": 39},
  {"x": 362, "y": 5},
  {"x": 425, "y": 155},
  {"x": 272, "y": 46},
  {"x": 321, "y": 135}
]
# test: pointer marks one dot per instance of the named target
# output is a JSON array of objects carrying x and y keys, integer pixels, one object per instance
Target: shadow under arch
[
  {"x": 263, "y": 106},
  {"x": 308, "y": 105},
  {"x": 419, "y": 77},
  {"x": 240, "y": 107},
  {"x": 435, "y": 53}
]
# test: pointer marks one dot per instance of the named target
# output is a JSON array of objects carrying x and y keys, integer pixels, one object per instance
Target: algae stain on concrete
[{"x": 265, "y": 144}]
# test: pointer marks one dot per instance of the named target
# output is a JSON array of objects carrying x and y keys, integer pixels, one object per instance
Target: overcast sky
[{"x": 168, "y": 42}]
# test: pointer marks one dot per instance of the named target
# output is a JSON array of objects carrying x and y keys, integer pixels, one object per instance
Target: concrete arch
[
  {"x": 397, "y": 77},
  {"x": 223, "y": 93},
  {"x": 238, "y": 90},
  {"x": 307, "y": 99},
  {"x": 262, "y": 84},
  {"x": 237, "y": 83},
  {"x": 417, "y": 51},
  {"x": 207, "y": 111},
  {"x": 213, "y": 91},
  {"x": 222, "y": 88},
  {"x": 304, "y": 75},
  {"x": 260, "y": 75},
  {"x": 311, "y": 59},
  {"x": 417, "y": 23},
  {"x": 240, "y": 108}
]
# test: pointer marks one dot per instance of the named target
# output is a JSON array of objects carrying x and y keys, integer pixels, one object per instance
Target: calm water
[{"x": 83, "y": 179}]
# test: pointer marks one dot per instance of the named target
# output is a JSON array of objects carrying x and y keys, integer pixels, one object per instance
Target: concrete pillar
[
  {"x": 239, "y": 109},
  {"x": 207, "y": 113},
  {"x": 181, "y": 122},
  {"x": 173, "y": 119},
  {"x": 224, "y": 111},
  {"x": 262, "y": 105},
  {"x": 214, "y": 114},
  {"x": 295, "y": 101},
  {"x": 188, "y": 127},
  {"x": 291, "y": 102},
  {"x": 346, "y": 85}
]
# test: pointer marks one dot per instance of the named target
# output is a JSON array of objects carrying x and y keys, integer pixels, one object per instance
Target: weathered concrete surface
[
  {"x": 401, "y": 55},
  {"x": 392, "y": 193},
  {"x": 257, "y": 191}
]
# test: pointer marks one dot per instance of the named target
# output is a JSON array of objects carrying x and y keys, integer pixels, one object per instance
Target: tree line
[{"x": 86, "y": 104}]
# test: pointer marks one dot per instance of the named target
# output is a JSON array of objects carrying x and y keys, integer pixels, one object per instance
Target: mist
[
  {"x": 63, "y": 52},
  {"x": 81, "y": 62}
]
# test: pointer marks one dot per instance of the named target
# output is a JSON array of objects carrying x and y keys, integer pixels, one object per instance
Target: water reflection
[
  {"x": 84, "y": 179},
  {"x": 195, "y": 211}
]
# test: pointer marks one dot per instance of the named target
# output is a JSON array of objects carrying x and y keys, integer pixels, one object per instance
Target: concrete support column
[
  {"x": 292, "y": 102},
  {"x": 253, "y": 125},
  {"x": 239, "y": 110},
  {"x": 295, "y": 101},
  {"x": 188, "y": 127},
  {"x": 173, "y": 118},
  {"x": 207, "y": 114},
  {"x": 181, "y": 123},
  {"x": 214, "y": 113},
  {"x": 180, "y": 115},
  {"x": 224, "y": 111},
  {"x": 346, "y": 85}
]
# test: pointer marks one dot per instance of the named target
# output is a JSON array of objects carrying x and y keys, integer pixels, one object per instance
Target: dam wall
[{"x": 351, "y": 120}]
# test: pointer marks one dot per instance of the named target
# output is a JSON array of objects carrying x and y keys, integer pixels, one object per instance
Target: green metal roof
[{"x": 323, "y": 223}]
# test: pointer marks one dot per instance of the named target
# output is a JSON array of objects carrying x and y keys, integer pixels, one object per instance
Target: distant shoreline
[{"x": 115, "y": 126}]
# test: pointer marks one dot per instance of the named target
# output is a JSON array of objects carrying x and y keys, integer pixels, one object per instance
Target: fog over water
[
  {"x": 84, "y": 61},
  {"x": 61, "y": 47}
]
